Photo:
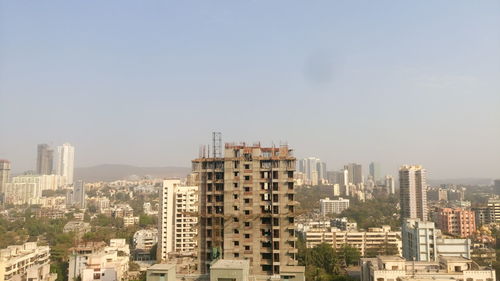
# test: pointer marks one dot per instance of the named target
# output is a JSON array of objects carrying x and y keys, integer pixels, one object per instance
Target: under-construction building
[{"x": 247, "y": 208}]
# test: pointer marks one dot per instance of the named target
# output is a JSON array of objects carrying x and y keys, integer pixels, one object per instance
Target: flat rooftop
[
  {"x": 230, "y": 264},
  {"x": 162, "y": 266}
]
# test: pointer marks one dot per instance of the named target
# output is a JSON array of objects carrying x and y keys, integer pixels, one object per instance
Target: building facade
[
  {"x": 177, "y": 219},
  {"x": 423, "y": 242},
  {"x": 333, "y": 206},
  {"x": 66, "y": 162},
  {"x": 4, "y": 177},
  {"x": 247, "y": 208},
  {"x": 44, "y": 160},
  {"x": 375, "y": 240},
  {"x": 413, "y": 196},
  {"x": 456, "y": 221},
  {"x": 26, "y": 262},
  {"x": 375, "y": 171},
  {"x": 98, "y": 262}
]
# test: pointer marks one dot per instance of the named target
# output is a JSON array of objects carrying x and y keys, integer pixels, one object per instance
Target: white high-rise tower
[
  {"x": 413, "y": 192},
  {"x": 66, "y": 162},
  {"x": 178, "y": 216}
]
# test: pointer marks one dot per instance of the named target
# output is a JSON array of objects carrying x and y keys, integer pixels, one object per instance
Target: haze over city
[{"x": 145, "y": 83}]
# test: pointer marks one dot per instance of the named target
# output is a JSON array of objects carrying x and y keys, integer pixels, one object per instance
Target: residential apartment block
[
  {"x": 247, "y": 208},
  {"x": 333, "y": 206},
  {"x": 178, "y": 218},
  {"x": 373, "y": 240},
  {"x": 26, "y": 262},
  {"x": 456, "y": 221},
  {"x": 423, "y": 242},
  {"x": 98, "y": 262}
]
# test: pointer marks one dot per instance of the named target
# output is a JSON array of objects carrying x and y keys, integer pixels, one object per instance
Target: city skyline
[{"x": 355, "y": 83}]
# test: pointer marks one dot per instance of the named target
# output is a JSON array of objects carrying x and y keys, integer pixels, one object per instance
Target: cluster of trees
[
  {"x": 309, "y": 196},
  {"x": 374, "y": 213},
  {"x": 323, "y": 263}
]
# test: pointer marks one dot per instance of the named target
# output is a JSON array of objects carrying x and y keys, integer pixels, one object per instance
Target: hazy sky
[{"x": 146, "y": 82}]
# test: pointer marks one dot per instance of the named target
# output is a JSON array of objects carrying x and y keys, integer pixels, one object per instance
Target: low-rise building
[
  {"x": 56, "y": 202},
  {"x": 98, "y": 262},
  {"x": 456, "y": 221},
  {"x": 145, "y": 239},
  {"x": 392, "y": 268},
  {"x": 130, "y": 220},
  {"x": 51, "y": 213},
  {"x": 344, "y": 224},
  {"x": 423, "y": 242},
  {"x": 161, "y": 272},
  {"x": 333, "y": 206},
  {"x": 78, "y": 227},
  {"x": 26, "y": 262},
  {"x": 367, "y": 242}
]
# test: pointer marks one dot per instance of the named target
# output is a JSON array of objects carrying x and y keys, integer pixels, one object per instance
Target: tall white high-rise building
[
  {"x": 389, "y": 184},
  {"x": 177, "y": 219},
  {"x": 66, "y": 162},
  {"x": 413, "y": 192}
]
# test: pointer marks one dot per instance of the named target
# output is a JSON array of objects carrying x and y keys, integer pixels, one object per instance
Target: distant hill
[
  {"x": 112, "y": 172},
  {"x": 464, "y": 181}
]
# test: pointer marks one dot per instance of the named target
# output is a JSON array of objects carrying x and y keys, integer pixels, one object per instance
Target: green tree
[{"x": 349, "y": 255}]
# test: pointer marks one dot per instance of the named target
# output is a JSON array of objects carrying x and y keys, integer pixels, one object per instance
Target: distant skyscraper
[
  {"x": 355, "y": 173},
  {"x": 4, "y": 177},
  {"x": 375, "y": 171},
  {"x": 389, "y": 185},
  {"x": 313, "y": 169},
  {"x": 321, "y": 171},
  {"x": 79, "y": 194},
  {"x": 413, "y": 192},
  {"x": 66, "y": 162},
  {"x": 496, "y": 186},
  {"x": 44, "y": 160}
]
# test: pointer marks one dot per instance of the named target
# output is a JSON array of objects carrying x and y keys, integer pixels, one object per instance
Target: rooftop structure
[{"x": 394, "y": 268}]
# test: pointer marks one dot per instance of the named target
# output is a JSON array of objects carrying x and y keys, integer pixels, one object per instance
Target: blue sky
[{"x": 146, "y": 82}]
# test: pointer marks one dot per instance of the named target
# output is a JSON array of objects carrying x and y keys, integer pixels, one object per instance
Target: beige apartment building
[
  {"x": 394, "y": 268},
  {"x": 247, "y": 208},
  {"x": 26, "y": 262},
  {"x": 373, "y": 239}
]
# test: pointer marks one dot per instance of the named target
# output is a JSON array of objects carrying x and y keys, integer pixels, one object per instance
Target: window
[
  {"x": 247, "y": 223},
  {"x": 247, "y": 236},
  {"x": 247, "y": 248},
  {"x": 247, "y": 166},
  {"x": 236, "y": 243}
]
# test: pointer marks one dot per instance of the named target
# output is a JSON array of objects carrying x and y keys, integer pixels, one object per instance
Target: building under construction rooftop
[{"x": 247, "y": 208}]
